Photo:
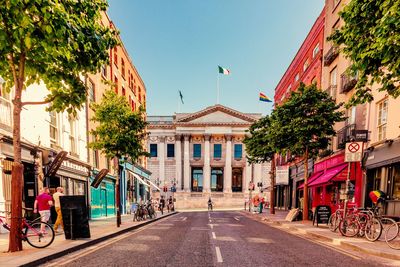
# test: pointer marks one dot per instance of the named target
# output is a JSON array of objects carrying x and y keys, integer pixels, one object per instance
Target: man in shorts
[{"x": 43, "y": 202}]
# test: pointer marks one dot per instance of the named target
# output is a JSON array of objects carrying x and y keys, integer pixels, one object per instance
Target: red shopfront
[{"x": 328, "y": 182}]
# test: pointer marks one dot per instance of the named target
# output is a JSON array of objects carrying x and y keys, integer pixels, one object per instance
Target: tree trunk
[
  {"x": 15, "y": 242},
  {"x": 118, "y": 196},
  {"x": 305, "y": 200},
  {"x": 272, "y": 193}
]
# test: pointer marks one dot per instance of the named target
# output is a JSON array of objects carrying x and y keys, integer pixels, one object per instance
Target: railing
[
  {"x": 5, "y": 113},
  {"x": 347, "y": 82},
  {"x": 330, "y": 56},
  {"x": 331, "y": 90},
  {"x": 344, "y": 135}
]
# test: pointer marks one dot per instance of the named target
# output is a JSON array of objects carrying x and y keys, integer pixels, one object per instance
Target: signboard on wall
[
  {"x": 282, "y": 175},
  {"x": 354, "y": 151}
]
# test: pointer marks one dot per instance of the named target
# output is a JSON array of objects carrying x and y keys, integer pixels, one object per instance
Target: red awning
[
  {"x": 312, "y": 178},
  {"x": 338, "y": 173}
]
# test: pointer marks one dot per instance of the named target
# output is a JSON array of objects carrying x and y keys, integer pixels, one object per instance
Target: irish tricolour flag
[{"x": 223, "y": 70}]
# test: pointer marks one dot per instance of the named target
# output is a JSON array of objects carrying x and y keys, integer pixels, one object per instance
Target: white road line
[
  {"x": 213, "y": 235},
  {"x": 184, "y": 218},
  {"x": 219, "y": 256},
  {"x": 209, "y": 220},
  {"x": 236, "y": 218},
  {"x": 212, "y": 226}
]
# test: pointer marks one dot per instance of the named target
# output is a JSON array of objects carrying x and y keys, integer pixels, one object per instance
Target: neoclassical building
[{"x": 203, "y": 154}]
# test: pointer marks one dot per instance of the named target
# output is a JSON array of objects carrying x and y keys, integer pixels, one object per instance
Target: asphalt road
[{"x": 210, "y": 239}]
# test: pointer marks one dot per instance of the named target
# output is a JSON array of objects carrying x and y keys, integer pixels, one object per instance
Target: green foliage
[
  {"x": 258, "y": 148},
  {"x": 56, "y": 42},
  {"x": 120, "y": 131},
  {"x": 304, "y": 121},
  {"x": 370, "y": 39}
]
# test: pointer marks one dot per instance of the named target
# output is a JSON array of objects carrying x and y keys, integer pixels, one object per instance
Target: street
[{"x": 210, "y": 239}]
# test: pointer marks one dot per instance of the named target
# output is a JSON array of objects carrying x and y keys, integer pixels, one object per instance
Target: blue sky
[{"x": 177, "y": 45}]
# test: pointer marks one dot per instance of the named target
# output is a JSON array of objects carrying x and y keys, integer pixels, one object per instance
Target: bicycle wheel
[
  {"x": 386, "y": 223},
  {"x": 38, "y": 238},
  {"x": 394, "y": 229},
  {"x": 333, "y": 222},
  {"x": 373, "y": 230},
  {"x": 349, "y": 227}
]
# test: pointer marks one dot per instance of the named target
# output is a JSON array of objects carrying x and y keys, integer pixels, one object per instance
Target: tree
[
  {"x": 303, "y": 125},
  {"x": 120, "y": 133},
  {"x": 259, "y": 149},
  {"x": 54, "y": 42},
  {"x": 370, "y": 39}
]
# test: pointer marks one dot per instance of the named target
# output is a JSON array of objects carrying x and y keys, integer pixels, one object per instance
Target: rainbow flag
[{"x": 264, "y": 98}]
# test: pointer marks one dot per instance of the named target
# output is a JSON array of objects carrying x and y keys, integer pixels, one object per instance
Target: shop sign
[
  {"x": 354, "y": 151},
  {"x": 282, "y": 175},
  {"x": 322, "y": 214},
  {"x": 360, "y": 135},
  {"x": 99, "y": 177},
  {"x": 56, "y": 164}
]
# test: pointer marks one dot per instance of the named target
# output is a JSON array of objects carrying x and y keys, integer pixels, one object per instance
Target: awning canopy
[
  {"x": 154, "y": 185},
  {"x": 338, "y": 173},
  {"x": 138, "y": 177},
  {"x": 312, "y": 178}
]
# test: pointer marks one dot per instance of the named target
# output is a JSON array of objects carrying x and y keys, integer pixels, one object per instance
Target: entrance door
[
  {"x": 237, "y": 176},
  {"x": 103, "y": 202}
]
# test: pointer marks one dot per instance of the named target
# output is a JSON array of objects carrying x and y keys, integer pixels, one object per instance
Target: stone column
[
  {"x": 186, "y": 163},
  {"x": 207, "y": 167},
  {"x": 258, "y": 175},
  {"x": 228, "y": 164},
  {"x": 161, "y": 158},
  {"x": 178, "y": 160},
  {"x": 249, "y": 174}
]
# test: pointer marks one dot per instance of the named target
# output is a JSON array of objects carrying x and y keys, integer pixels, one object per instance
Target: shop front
[
  {"x": 134, "y": 186},
  {"x": 296, "y": 174},
  {"x": 383, "y": 173},
  {"x": 282, "y": 189},
  {"x": 102, "y": 198},
  {"x": 328, "y": 183}
]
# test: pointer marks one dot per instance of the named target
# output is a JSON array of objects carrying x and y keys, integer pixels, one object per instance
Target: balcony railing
[
  {"x": 330, "y": 56},
  {"x": 344, "y": 135},
  {"x": 331, "y": 90},
  {"x": 347, "y": 82},
  {"x": 5, "y": 113}
]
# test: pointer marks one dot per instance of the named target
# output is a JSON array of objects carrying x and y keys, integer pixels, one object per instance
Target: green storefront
[{"x": 102, "y": 198}]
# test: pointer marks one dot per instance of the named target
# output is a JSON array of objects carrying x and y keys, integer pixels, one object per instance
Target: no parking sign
[{"x": 354, "y": 151}]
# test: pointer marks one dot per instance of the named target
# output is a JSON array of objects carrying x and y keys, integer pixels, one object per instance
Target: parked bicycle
[
  {"x": 392, "y": 235},
  {"x": 32, "y": 231}
]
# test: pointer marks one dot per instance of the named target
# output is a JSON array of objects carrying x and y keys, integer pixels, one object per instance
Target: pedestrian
[
  {"x": 42, "y": 204},
  {"x": 170, "y": 204},
  {"x": 56, "y": 197},
  {"x": 162, "y": 204},
  {"x": 210, "y": 204}
]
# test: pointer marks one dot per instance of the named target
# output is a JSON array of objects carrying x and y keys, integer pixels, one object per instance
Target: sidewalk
[
  {"x": 378, "y": 248},
  {"x": 100, "y": 230}
]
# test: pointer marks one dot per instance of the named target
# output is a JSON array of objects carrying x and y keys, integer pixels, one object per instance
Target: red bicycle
[{"x": 37, "y": 234}]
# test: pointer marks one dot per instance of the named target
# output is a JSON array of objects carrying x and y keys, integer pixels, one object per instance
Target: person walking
[
  {"x": 210, "y": 204},
  {"x": 56, "y": 197},
  {"x": 42, "y": 204},
  {"x": 162, "y": 205},
  {"x": 170, "y": 204}
]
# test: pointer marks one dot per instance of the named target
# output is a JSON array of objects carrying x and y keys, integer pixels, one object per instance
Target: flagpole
[{"x": 218, "y": 87}]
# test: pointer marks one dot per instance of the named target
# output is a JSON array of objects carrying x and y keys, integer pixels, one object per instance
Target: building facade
[
  {"x": 202, "y": 155},
  {"x": 306, "y": 67}
]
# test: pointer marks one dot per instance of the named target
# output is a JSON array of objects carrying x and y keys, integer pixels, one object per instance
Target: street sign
[
  {"x": 282, "y": 175},
  {"x": 354, "y": 151}
]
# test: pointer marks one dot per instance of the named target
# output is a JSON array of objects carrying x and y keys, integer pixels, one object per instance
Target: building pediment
[{"x": 217, "y": 114}]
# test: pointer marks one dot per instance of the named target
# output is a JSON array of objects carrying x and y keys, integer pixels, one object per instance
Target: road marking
[
  {"x": 184, "y": 218},
  {"x": 209, "y": 220},
  {"x": 219, "y": 256},
  {"x": 213, "y": 235},
  {"x": 211, "y": 226},
  {"x": 236, "y": 218},
  {"x": 78, "y": 255}
]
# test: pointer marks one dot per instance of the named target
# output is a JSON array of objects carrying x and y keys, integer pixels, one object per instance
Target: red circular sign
[{"x": 354, "y": 147}]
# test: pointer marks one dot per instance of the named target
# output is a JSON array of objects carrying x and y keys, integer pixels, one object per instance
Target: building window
[
  {"x": 297, "y": 77},
  {"x": 91, "y": 91},
  {"x": 217, "y": 151},
  {"x": 140, "y": 94},
  {"x": 335, "y": 3},
  {"x": 238, "y": 151},
  {"x": 116, "y": 57},
  {"x": 123, "y": 68},
  {"x": 305, "y": 66},
  {"x": 123, "y": 91},
  {"x": 116, "y": 85},
  {"x": 170, "y": 150},
  {"x": 196, "y": 150},
  {"x": 53, "y": 127},
  {"x": 95, "y": 154},
  {"x": 217, "y": 180},
  {"x": 237, "y": 177},
  {"x": 104, "y": 71},
  {"x": 333, "y": 77},
  {"x": 153, "y": 150},
  {"x": 382, "y": 119},
  {"x": 72, "y": 136},
  {"x": 315, "y": 51},
  {"x": 197, "y": 180}
]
